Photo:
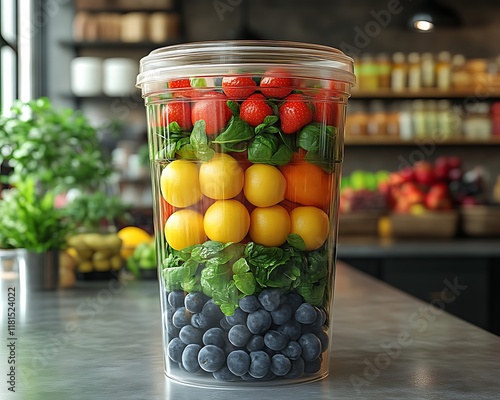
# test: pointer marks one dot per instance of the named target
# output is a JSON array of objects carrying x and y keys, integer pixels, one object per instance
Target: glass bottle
[
  {"x": 418, "y": 119},
  {"x": 377, "y": 119},
  {"x": 405, "y": 121},
  {"x": 399, "y": 72},
  {"x": 431, "y": 120},
  {"x": 443, "y": 70},
  {"x": 428, "y": 71},
  {"x": 368, "y": 78},
  {"x": 444, "y": 119},
  {"x": 384, "y": 71},
  {"x": 414, "y": 72}
]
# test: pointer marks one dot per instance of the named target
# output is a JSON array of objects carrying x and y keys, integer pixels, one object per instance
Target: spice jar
[
  {"x": 477, "y": 123},
  {"x": 398, "y": 73},
  {"x": 495, "y": 118},
  {"x": 414, "y": 72},
  {"x": 418, "y": 119},
  {"x": 392, "y": 120},
  {"x": 368, "y": 78},
  {"x": 443, "y": 70},
  {"x": 384, "y": 71},
  {"x": 356, "y": 120},
  {"x": 428, "y": 71},
  {"x": 377, "y": 119},
  {"x": 405, "y": 121},
  {"x": 444, "y": 119}
]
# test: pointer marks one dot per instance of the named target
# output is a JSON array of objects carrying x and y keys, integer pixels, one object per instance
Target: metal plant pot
[{"x": 39, "y": 271}]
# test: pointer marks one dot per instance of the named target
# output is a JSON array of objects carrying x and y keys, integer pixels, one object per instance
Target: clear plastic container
[{"x": 246, "y": 147}]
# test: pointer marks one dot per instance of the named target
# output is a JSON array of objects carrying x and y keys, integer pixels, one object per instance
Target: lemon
[
  {"x": 184, "y": 228},
  {"x": 264, "y": 185},
  {"x": 131, "y": 237},
  {"x": 269, "y": 226},
  {"x": 312, "y": 224},
  {"x": 227, "y": 221},
  {"x": 179, "y": 183},
  {"x": 221, "y": 178}
]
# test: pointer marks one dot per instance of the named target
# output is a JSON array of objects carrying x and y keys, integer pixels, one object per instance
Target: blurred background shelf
[
  {"x": 431, "y": 94},
  {"x": 397, "y": 141}
]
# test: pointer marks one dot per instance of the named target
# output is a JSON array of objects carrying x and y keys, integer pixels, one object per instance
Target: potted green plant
[
  {"x": 33, "y": 226},
  {"x": 58, "y": 148},
  {"x": 48, "y": 152}
]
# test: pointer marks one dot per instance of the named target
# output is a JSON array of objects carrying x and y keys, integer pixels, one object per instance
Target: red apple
[
  {"x": 438, "y": 198},
  {"x": 454, "y": 162},
  {"x": 424, "y": 173}
]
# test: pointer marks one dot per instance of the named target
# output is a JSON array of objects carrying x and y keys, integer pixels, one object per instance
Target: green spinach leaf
[{"x": 236, "y": 135}]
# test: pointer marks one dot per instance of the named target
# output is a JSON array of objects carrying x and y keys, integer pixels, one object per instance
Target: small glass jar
[
  {"x": 428, "y": 71},
  {"x": 444, "y": 119},
  {"x": 443, "y": 70},
  {"x": 477, "y": 123},
  {"x": 414, "y": 72},
  {"x": 399, "y": 72},
  {"x": 406, "y": 121},
  {"x": 495, "y": 118},
  {"x": 377, "y": 123},
  {"x": 418, "y": 119},
  {"x": 368, "y": 73},
  {"x": 384, "y": 71}
]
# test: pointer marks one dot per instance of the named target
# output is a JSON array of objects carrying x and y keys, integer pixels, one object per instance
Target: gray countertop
[{"x": 102, "y": 340}]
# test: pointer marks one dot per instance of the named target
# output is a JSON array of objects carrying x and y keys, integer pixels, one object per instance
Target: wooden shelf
[
  {"x": 396, "y": 141},
  {"x": 483, "y": 93}
]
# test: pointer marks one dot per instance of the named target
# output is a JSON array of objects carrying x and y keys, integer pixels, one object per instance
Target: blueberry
[
  {"x": 259, "y": 321},
  {"x": 248, "y": 378},
  {"x": 320, "y": 318},
  {"x": 297, "y": 369},
  {"x": 212, "y": 311},
  {"x": 175, "y": 349},
  {"x": 181, "y": 317},
  {"x": 172, "y": 331},
  {"x": 238, "y": 318},
  {"x": 194, "y": 302},
  {"x": 256, "y": 342},
  {"x": 224, "y": 374},
  {"x": 293, "y": 350},
  {"x": 314, "y": 366},
  {"x": 191, "y": 335},
  {"x": 224, "y": 324},
  {"x": 324, "y": 339},
  {"x": 214, "y": 336},
  {"x": 211, "y": 358},
  {"x": 282, "y": 314},
  {"x": 305, "y": 314},
  {"x": 238, "y": 362},
  {"x": 176, "y": 298},
  {"x": 275, "y": 340},
  {"x": 190, "y": 358},
  {"x": 239, "y": 335},
  {"x": 249, "y": 304},
  {"x": 291, "y": 329},
  {"x": 280, "y": 365},
  {"x": 311, "y": 346},
  {"x": 260, "y": 363},
  {"x": 200, "y": 321},
  {"x": 293, "y": 300},
  {"x": 270, "y": 299}
]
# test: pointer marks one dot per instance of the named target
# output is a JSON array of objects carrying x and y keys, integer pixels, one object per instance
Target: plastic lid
[{"x": 219, "y": 58}]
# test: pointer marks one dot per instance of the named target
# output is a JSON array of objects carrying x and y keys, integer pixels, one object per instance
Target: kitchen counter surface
[{"x": 102, "y": 340}]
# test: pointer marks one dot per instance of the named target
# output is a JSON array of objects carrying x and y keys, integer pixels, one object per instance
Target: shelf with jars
[{"x": 445, "y": 98}]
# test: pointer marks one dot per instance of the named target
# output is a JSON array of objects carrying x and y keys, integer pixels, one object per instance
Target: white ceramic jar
[
  {"x": 86, "y": 76},
  {"x": 119, "y": 76}
]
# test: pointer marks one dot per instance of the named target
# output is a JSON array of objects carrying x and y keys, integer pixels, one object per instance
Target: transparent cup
[{"x": 246, "y": 147}]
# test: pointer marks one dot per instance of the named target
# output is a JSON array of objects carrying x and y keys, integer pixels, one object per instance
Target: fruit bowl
[{"x": 481, "y": 221}]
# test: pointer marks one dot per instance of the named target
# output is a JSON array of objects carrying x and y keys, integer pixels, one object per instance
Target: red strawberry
[
  {"x": 295, "y": 113},
  {"x": 180, "y": 88},
  {"x": 277, "y": 87},
  {"x": 254, "y": 109},
  {"x": 325, "y": 110},
  {"x": 178, "y": 111},
  {"x": 238, "y": 87},
  {"x": 212, "y": 108}
]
